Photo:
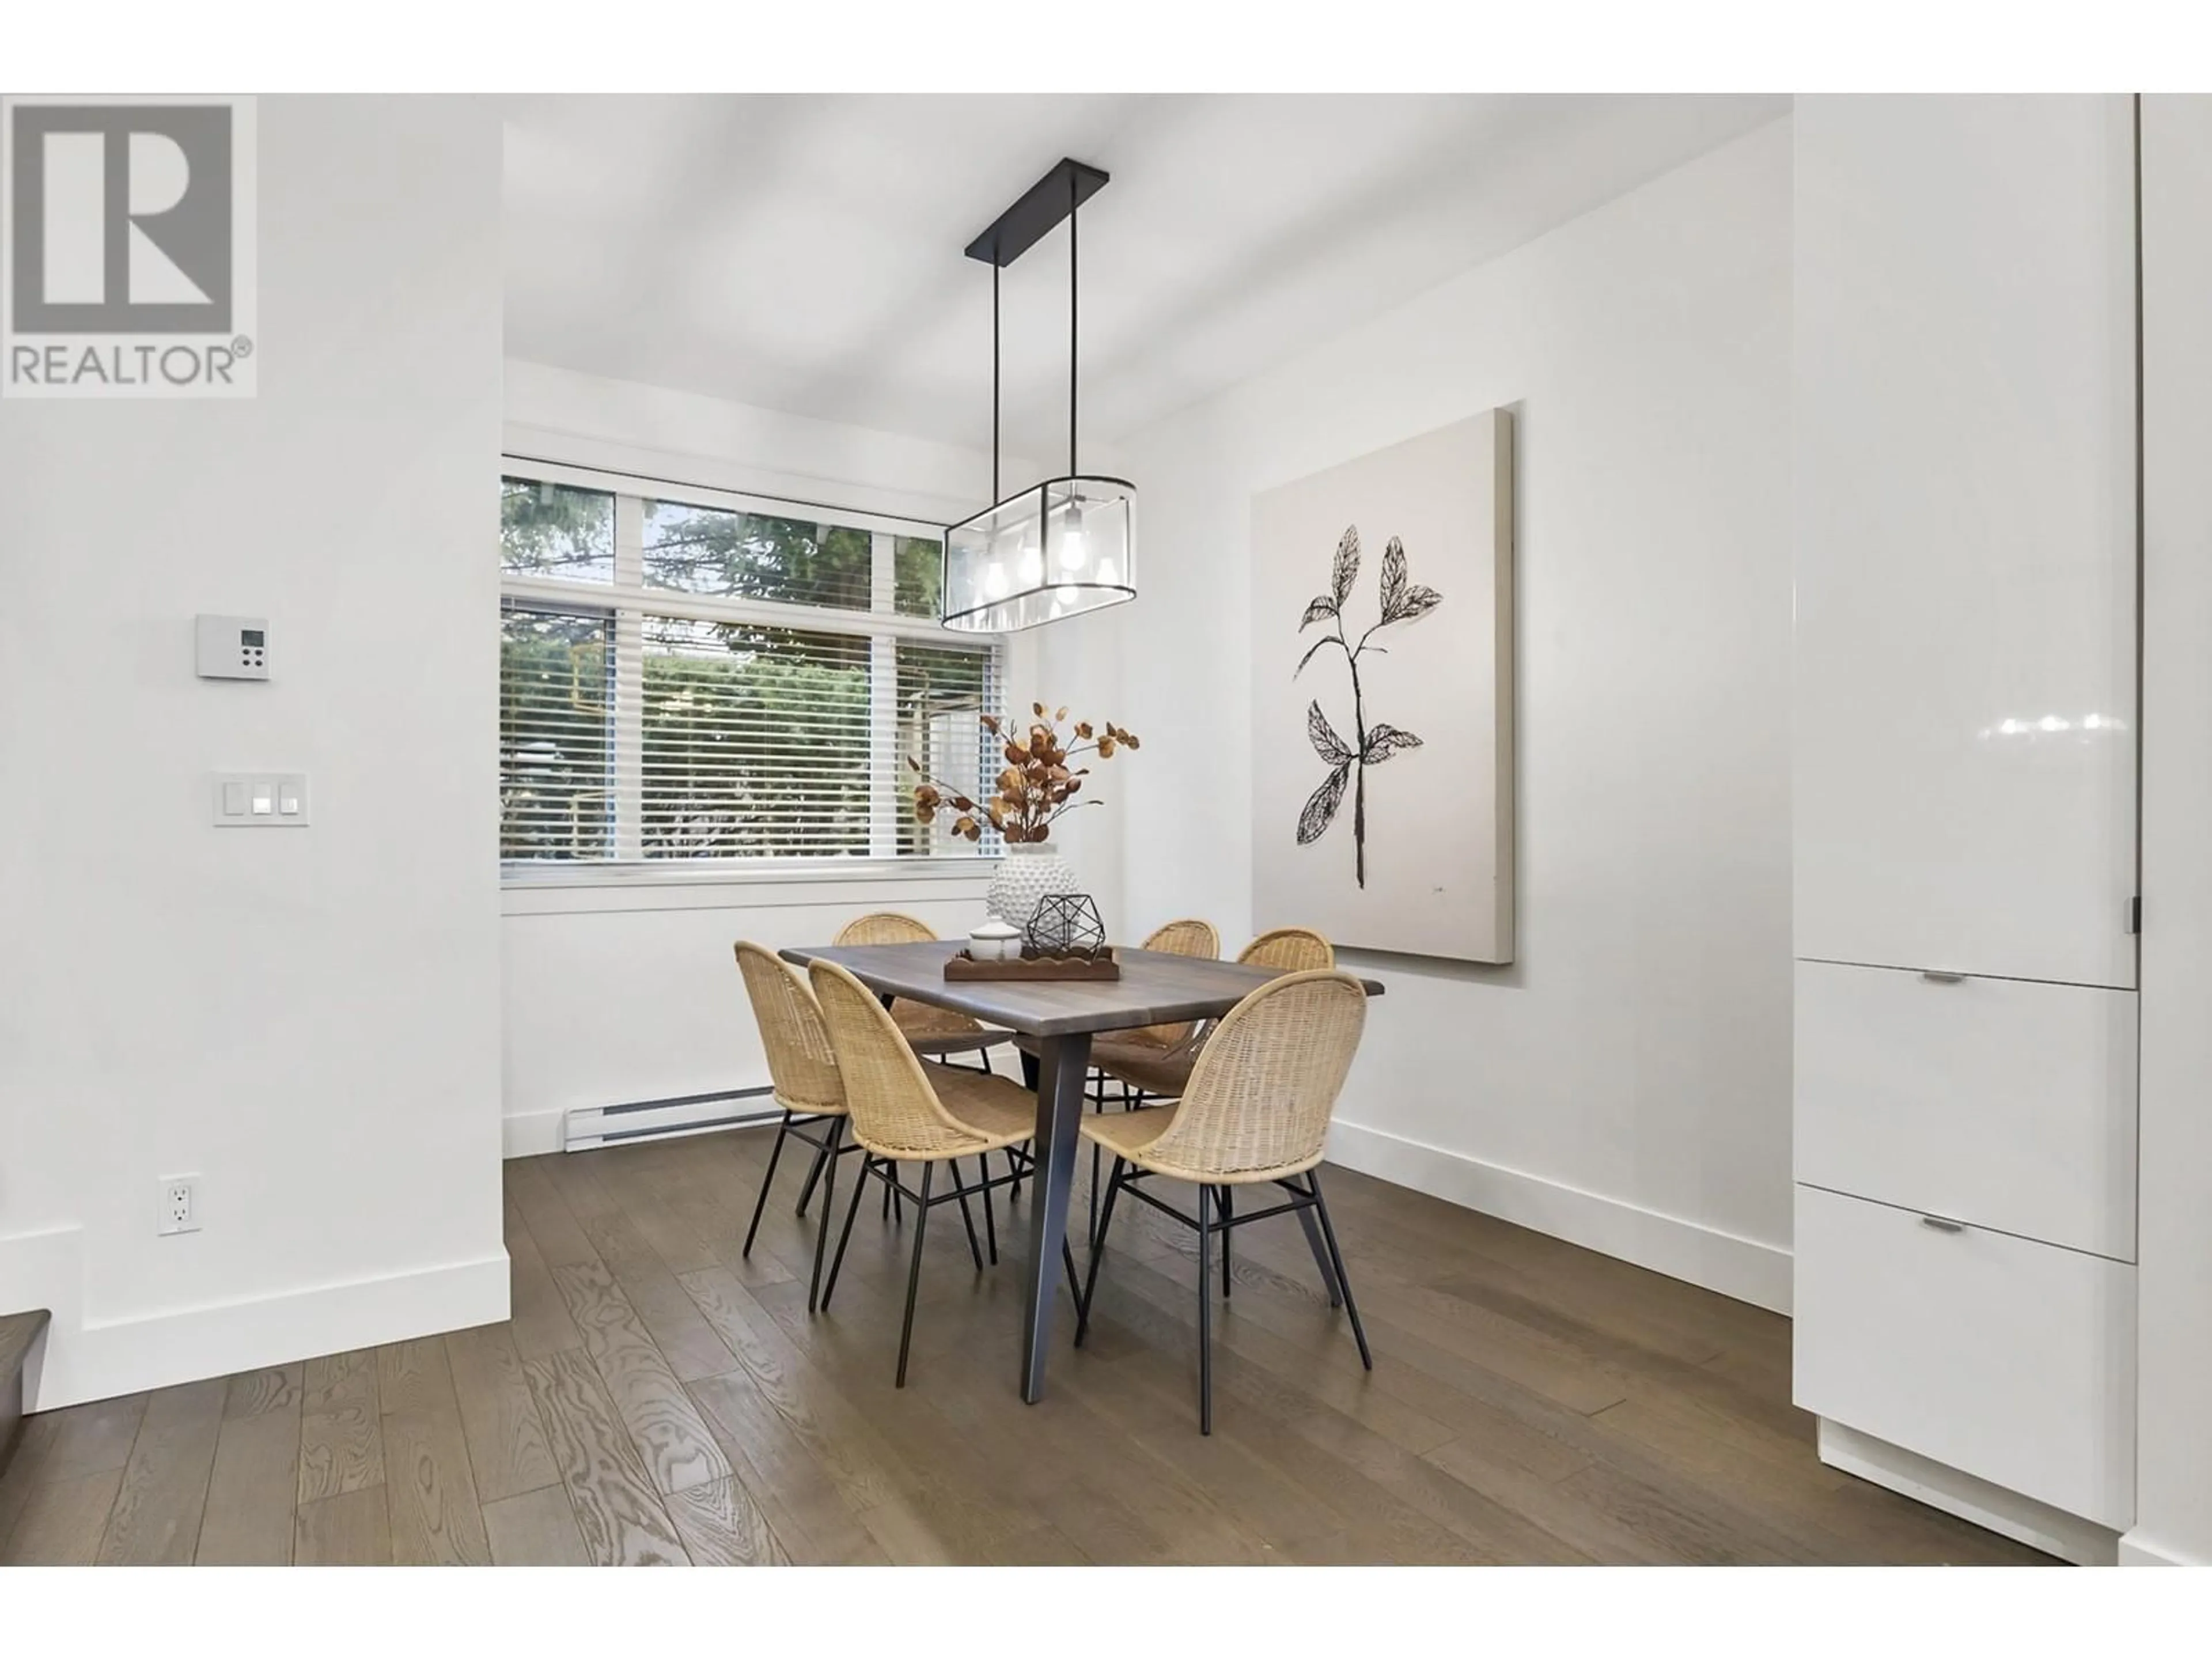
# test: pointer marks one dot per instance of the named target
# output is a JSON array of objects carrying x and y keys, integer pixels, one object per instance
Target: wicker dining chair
[
  {"x": 936, "y": 1032},
  {"x": 1146, "y": 1044},
  {"x": 903, "y": 1111},
  {"x": 1189, "y": 937},
  {"x": 803, "y": 1069},
  {"x": 1255, "y": 1112},
  {"x": 1289, "y": 951},
  {"x": 1145, "y": 1071}
]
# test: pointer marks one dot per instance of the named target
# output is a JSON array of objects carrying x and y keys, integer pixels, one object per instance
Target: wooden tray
[{"x": 1099, "y": 968}]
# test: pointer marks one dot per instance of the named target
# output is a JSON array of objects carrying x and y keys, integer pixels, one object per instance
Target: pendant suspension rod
[
  {"x": 1073, "y": 202},
  {"x": 995, "y": 380}
]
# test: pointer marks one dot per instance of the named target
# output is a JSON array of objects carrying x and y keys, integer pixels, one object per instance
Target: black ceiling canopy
[{"x": 1042, "y": 205}]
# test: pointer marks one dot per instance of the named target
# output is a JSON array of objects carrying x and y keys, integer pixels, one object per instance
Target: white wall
[
  {"x": 1626, "y": 1083},
  {"x": 2173, "y": 1491},
  {"x": 304, "y": 1019},
  {"x": 623, "y": 990}
]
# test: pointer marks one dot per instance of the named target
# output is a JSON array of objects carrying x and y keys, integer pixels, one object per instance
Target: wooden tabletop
[{"x": 1155, "y": 987}]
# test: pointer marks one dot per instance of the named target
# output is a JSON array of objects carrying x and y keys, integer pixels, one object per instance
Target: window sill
[
  {"x": 737, "y": 872},
  {"x": 546, "y": 890}
]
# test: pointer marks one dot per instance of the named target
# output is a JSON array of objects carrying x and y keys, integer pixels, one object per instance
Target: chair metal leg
[
  {"x": 860, "y": 1186},
  {"x": 1014, "y": 1169},
  {"x": 1094, "y": 1194},
  {"x": 990, "y": 1220},
  {"x": 1205, "y": 1315},
  {"x": 1098, "y": 1254},
  {"x": 1228, "y": 1215},
  {"x": 966, "y": 1215},
  {"x": 767, "y": 1181},
  {"x": 828, "y": 1203},
  {"x": 813, "y": 1175},
  {"x": 1336, "y": 1261},
  {"x": 1320, "y": 1249},
  {"x": 913, "y": 1272}
]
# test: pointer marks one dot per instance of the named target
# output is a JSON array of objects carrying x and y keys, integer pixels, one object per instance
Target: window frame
[{"x": 627, "y": 599}]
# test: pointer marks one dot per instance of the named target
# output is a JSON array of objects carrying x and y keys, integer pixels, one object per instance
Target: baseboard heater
[{"x": 661, "y": 1120}]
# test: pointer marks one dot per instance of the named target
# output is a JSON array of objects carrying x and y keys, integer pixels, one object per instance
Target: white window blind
[{"x": 688, "y": 675}]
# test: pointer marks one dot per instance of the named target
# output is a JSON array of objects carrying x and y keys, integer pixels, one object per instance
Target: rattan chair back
[
  {"x": 921, "y": 1021},
  {"x": 800, "y": 1061},
  {"x": 1258, "y": 1103},
  {"x": 885, "y": 927},
  {"x": 894, "y": 1110},
  {"x": 1289, "y": 951},
  {"x": 1188, "y": 937}
]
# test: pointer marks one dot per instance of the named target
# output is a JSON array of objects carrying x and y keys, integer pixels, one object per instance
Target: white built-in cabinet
[{"x": 1965, "y": 548}]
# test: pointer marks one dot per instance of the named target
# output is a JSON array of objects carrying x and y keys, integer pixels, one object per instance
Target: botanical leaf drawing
[
  {"x": 1384, "y": 741},
  {"x": 1320, "y": 807},
  {"x": 1325, "y": 743},
  {"x": 1346, "y": 571},
  {"x": 1401, "y": 600},
  {"x": 1325, "y": 639},
  {"x": 1394, "y": 577},
  {"x": 1418, "y": 602}
]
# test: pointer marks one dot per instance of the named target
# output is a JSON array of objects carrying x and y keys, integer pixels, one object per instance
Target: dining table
[{"x": 1060, "y": 1017}]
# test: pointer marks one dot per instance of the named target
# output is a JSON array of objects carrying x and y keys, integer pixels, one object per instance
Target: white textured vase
[{"x": 1028, "y": 871}]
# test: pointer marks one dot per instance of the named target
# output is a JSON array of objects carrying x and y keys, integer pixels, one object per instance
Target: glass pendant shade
[{"x": 1056, "y": 549}]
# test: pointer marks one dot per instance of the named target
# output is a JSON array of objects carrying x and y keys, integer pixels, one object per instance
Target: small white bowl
[{"x": 995, "y": 941}]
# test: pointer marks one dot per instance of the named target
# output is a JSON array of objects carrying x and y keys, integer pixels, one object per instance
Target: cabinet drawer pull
[
  {"x": 1939, "y": 976},
  {"x": 1941, "y": 1226}
]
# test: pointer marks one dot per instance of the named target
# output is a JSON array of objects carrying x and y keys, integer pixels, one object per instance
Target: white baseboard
[
  {"x": 2068, "y": 1537},
  {"x": 1741, "y": 1268},
  {"x": 92, "y": 1361},
  {"x": 2137, "y": 1550},
  {"x": 527, "y": 1134}
]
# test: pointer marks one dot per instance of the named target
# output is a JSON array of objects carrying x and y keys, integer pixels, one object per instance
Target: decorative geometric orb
[{"x": 1066, "y": 925}]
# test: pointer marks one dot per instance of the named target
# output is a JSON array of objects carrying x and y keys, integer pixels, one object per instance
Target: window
[{"x": 686, "y": 675}]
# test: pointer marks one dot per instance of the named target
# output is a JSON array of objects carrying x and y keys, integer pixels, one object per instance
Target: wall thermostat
[{"x": 233, "y": 647}]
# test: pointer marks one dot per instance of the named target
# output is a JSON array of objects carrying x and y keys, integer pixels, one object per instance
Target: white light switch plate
[{"x": 260, "y": 800}]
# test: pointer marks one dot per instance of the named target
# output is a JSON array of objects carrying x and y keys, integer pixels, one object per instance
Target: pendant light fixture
[{"x": 1066, "y": 545}]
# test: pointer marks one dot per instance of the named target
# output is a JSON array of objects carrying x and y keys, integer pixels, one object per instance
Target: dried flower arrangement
[{"x": 1038, "y": 785}]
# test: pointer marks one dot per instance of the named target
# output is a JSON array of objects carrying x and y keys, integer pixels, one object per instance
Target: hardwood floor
[{"x": 659, "y": 1399}]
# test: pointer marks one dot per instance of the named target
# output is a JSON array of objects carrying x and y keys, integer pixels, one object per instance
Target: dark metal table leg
[{"x": 1062, "y": 1064}]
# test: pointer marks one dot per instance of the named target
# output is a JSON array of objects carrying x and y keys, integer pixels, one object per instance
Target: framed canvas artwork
[{"x": 1383, "y": 697}]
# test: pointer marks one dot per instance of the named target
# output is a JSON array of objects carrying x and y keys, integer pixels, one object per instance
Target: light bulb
[
  {"x": 994, "y": 580},
  {"x": 1032, "y": 564},
  {"x": 1072, "y": 550}
]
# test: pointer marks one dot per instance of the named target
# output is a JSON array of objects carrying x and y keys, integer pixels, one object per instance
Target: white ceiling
[{"x": 804, "y": 253}]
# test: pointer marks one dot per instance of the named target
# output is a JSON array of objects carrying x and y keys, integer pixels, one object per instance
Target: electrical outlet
[{"x": 180, "y": 1205}]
